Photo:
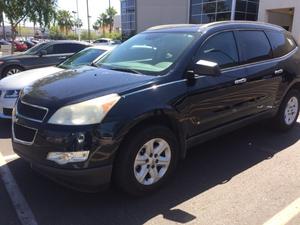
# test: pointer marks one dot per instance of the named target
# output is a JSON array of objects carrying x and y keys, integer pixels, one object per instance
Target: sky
[{"x": 96, "y": 7}]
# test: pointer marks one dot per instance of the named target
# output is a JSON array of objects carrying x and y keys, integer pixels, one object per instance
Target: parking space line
[
  {"x": 285, "y": 215},
  {"x": 10, "y": 157},
  {"x": 22, "y": 208}
]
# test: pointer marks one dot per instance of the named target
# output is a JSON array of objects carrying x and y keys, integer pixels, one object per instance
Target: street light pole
[
  {"x": 75, "y": 24},
  {"x": 88, "y": 20},
  {"x": 78, "y": 28}
]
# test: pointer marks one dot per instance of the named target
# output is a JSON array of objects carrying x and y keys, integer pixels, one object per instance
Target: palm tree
[
  {"x": 103, "y": 21},
  {"x": 64, "y": 20},
  {"x": 96, "y": 26},
  {"x": 111, "y": 12}
]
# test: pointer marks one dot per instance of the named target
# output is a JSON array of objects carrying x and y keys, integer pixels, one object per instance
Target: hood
[
  {"x": 20, "y": 80},
  {"x": 76, "y": 85}
]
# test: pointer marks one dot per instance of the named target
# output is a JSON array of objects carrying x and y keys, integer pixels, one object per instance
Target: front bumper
[
  {"x": 6, "y": 106},
  {"x": 86, "y": 180},
  {"x": 91, "y": 175}
]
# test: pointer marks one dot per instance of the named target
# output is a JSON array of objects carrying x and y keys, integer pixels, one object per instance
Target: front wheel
[
  {"x": 12, "y": 70},
  {"x": 288, "y": 112},
  {"x": 146, "y": 160}
]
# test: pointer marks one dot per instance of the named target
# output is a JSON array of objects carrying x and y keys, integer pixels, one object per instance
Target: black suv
[
  {"x": 132, "y": 116},
  {"x": 42, "y": 55}
]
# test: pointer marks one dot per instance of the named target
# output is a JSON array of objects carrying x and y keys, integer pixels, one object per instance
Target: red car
[{"x": 19, "y": 46}]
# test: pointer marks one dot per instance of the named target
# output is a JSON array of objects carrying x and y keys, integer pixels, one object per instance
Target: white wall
[
  {"x": 266, "y": 5},
  {"x": 158, "y": 12}
]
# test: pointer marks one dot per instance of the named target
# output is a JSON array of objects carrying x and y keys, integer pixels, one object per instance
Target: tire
[
  {"x": 10, "y": 70},
  {"x": 131, "y": 163},
  {"x": 288, "y": 113}
]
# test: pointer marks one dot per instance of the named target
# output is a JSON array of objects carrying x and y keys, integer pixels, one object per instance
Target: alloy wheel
[
  {"x": 291, "y": 111},
  {"x": 13, "y": 71},
  {"x": 152, "y": 161}
]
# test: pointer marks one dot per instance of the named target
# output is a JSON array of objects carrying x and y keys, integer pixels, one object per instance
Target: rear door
[{"x": 263, "y": 74}]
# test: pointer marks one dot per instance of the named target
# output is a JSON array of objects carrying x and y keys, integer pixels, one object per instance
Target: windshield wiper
[
  {"x": 94, "y": 65},
  {"x": 122, "y": 69}
]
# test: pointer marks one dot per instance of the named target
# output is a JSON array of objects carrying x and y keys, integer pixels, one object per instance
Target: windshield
[
  {"x": 148, "y": 53},
  {"x": 35, "y": 49},
  {"x": 84, "y": 57}
]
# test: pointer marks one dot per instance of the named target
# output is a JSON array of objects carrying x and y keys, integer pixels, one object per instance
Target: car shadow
[
  {"x": 207, "y": 165},
  {"x": 5, "y": 128}
]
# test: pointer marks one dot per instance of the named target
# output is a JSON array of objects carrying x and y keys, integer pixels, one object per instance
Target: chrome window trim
[
  {"x": 21, "y": 141},
  {"x": 260, "y": 62},
  {"x": 35, "y": 106},
  {"x": 240, "y": 66}
]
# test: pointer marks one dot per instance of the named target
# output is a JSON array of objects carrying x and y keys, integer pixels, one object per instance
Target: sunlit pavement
[{"x": 245, "y": 177}]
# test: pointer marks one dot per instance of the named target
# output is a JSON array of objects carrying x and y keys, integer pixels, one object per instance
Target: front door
[{"x": 218, "y": 100}]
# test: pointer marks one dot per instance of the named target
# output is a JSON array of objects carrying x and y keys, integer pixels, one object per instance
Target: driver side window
[{"x": 220, "y": 48}]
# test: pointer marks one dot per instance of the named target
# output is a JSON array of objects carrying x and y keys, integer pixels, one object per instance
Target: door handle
[
  {"x": 240, "y": 81},
  {"x": 277, "y": 72},
  {"x": 62, "y": 57}
]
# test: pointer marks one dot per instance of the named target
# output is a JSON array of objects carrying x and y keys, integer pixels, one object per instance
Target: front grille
[
  {"x": 7, "y": 112},
  {"x": 31, "y": 112},
  {"x": 23, "y": 134}
]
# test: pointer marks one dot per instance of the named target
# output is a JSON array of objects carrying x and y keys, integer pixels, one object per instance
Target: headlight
[
  {"x": 62, "y": 158},
  {"x": 12, "y": 94},
  {"x": 85, "y": 113},
  {"x": 1, "y": 62}
]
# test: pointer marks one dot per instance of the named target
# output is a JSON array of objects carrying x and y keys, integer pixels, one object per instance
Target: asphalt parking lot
[{"x": 246, "y": 177}]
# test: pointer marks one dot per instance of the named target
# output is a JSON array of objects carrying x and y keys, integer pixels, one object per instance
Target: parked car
[
  {"x": 11, "y": 86},
  {"x": 131, "y": 120},
  {"x": 19, "y": 46},
  {"x": 106, "y": 41},
  {"x": 41, "y": 55},
  {"x": 3, "y": 42},
  {"x": 29, "y": 44}
]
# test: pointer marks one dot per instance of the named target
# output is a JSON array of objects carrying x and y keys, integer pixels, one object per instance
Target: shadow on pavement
[
  {"x": 5, "y": 128},
  {"x": 207, "y": 165}
]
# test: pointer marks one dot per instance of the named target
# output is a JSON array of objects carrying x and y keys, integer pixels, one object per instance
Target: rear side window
[
  {"x": 67, "y": 48},
  {"x": 281, "y": 43},
  {"x": 255, "y": 46},
  {"x": 221, "y": 49}
]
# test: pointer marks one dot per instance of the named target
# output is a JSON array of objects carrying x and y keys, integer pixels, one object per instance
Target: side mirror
[
  {"x": 42, "y": 52},
  {"x": 207, "y": 68}
]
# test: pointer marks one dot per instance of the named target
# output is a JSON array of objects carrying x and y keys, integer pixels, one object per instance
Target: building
[
  {"x": 285, "y": 13},
  {"x": 138, "y": 15}
]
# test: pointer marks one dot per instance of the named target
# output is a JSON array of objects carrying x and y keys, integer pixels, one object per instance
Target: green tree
[
  {"x": 96, "y": 26},
  {"x": 17, "y": 11},
  {"x": 111, "y": 12},
  {"x": 64, "y": 20},
  {"x": 103, "y": 21}
]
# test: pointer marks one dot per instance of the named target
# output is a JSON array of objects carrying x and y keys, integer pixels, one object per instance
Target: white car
[{"x": 11, "y": 86}]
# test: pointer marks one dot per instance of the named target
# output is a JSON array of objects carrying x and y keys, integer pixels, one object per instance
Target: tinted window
[
  {"x": 255, "y": 46},
  {"x": 66, "y": 48},
  {"x": 148, "y": 53},
  {"x": 282, "y": 43},
  {"x": 101, "y": 41},
  {"x": 221, "y": 49},
  {"x": 84, "y": 57},
  {"x": 35, "y": 49}
]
